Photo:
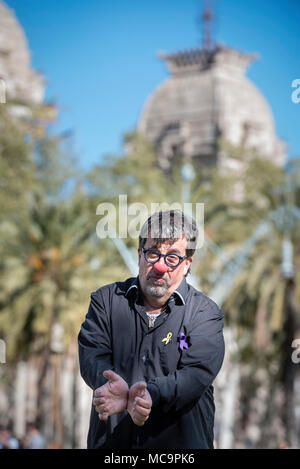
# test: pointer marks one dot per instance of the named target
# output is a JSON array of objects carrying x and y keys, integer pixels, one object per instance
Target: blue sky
[{"x": 99, "y": 58}]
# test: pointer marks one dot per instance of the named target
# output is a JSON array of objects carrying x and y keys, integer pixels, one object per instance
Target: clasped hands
[{"x": 115, "y": 396}]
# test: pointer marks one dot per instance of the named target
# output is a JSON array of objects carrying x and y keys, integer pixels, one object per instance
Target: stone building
[
  {"x": 22, "y": 83},
  {"x": 208, "y": 96}
]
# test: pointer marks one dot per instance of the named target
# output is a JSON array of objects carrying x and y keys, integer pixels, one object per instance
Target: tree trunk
[
  {"x": 45, "y": 362},
  {"x": 288, "y": 367},
  {"x": 46, "y": 359},
  {"x": 57, "y": 411}
]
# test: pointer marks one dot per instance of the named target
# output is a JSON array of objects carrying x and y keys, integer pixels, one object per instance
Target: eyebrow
[{"x": 175, "y": 251}]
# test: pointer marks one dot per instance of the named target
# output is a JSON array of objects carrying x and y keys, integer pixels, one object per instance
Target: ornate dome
[
  {"x": 206, "y": 96},
  {"x": 22, "y": 83}
]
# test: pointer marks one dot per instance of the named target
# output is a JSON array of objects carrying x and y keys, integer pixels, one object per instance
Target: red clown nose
[{"x": 160, "y": 268}]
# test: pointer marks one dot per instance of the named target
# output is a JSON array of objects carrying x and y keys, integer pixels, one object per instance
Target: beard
[{"x": 156, "y": 288}]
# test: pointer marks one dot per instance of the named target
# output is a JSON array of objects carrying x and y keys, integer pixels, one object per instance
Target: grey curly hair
[{"x": 167, "y": 227}]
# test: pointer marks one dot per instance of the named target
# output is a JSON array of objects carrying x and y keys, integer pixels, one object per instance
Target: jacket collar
[{"x": 182, "y": 291}]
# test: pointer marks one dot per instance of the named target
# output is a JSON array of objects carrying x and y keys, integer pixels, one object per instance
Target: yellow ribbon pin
[{"x": 168, "y": 338}]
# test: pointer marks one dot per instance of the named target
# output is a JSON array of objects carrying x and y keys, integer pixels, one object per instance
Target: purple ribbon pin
[{"x": 182, "y": 342}]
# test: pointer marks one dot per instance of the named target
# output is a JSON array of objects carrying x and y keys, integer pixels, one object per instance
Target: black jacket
[{"x": 115, "y": 335}]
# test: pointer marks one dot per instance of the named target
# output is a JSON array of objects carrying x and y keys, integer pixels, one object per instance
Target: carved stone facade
[
  {"x": 21, "y": 82},
  {"x": 208, "y": 96}
]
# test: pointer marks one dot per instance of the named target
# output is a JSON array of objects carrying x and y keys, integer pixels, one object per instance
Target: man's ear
[{"x": 187, "y": 265}]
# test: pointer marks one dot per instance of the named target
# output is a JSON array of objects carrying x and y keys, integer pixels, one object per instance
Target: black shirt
[{"x": 179, "y": 374}]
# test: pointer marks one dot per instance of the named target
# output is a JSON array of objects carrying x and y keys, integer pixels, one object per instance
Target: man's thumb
[
  {"x": 111, "y": 375},
  {"x": 140, "y": 388}
]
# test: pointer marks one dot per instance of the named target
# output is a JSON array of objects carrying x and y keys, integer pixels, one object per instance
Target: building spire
[{"x": 207, "y": 19}]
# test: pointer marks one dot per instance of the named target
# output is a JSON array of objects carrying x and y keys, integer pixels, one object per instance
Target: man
[
  {"x": 7, "y": 440},
  {"x": 150, "y": 348},
  {"x": 34, "y": 439}
]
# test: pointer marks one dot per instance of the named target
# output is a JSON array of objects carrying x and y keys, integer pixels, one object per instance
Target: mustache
[{"x": 154, "y": 276}]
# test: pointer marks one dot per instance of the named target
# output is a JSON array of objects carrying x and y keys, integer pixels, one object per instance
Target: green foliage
[
  {"x": 51, "y": 257},
  {"x": 16, "y": 164},
  {"x": 237, "y": 201},
  {"x": 45, "y": 241}
]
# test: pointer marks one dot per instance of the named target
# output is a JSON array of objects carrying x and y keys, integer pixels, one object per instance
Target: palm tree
[
  {"x": 46, "y": 254},
  {"x": 262, "y": 299}
]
